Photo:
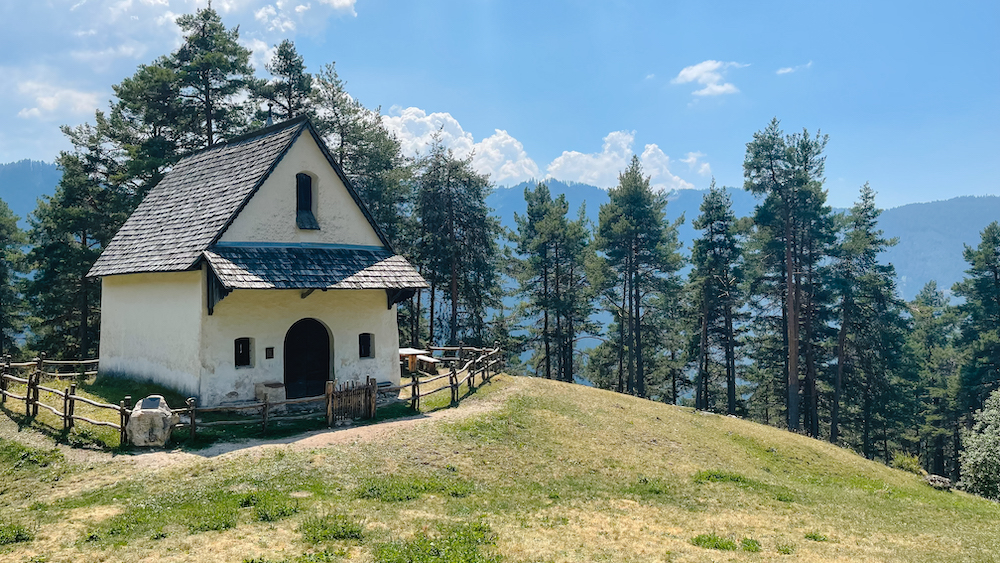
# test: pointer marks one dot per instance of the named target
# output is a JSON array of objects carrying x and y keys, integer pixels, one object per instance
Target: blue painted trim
[{"x": 247, "y": 244}]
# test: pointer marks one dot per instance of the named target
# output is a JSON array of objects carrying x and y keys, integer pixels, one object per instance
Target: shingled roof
[
  {"x": 187, "y": 212},
  {"x": 311, "y": 267}
]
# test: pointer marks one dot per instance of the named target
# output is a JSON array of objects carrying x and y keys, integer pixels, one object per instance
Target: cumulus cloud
[
  {"x": 346, "y": 6},
  {"x": 500, "y": 155},
  {"x": 601, "y": 169},
  {"x": 710, "y": 75},
  {"x": 52, "y": 100},
  {"x": 695, "y": 162},
  {"x": 791, "y": 69}
]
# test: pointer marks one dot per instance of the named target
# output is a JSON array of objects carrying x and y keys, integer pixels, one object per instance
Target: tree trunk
[
  {"x": 430, "y": 336},
  {"x": 640, "y": 375},
  {"x": 791, "y": 305},
  {"x": 701, "y": 394},
  {"x": 730, "y": 362},
  {"x": 838, "y": 383}
]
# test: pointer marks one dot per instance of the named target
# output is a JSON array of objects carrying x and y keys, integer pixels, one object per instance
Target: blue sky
[{"x": 909, "y": 92}]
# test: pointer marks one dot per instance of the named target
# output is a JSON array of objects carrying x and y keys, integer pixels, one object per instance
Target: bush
[
  {"x": 979, "y": 459},
  {"x": 907, "y": 462},
  {"x": 750, "y": 545},
  {"x": 712, "y": 541}
]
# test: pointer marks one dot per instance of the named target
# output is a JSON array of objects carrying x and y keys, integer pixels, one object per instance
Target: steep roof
[
  {"x": 311, "y": 267},
  {"x": 187, "y": 212}
]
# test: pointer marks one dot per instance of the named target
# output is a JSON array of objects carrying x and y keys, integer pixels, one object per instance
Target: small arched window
[{"x": 304, "y": 217}]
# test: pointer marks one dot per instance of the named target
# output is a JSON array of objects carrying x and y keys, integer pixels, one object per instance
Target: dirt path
[{"x": 327, "y": 437}]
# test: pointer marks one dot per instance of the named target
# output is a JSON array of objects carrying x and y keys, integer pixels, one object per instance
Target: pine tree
[
  {"x": 551, "y": 274},
  {"x": 931, "y": 344},
  {"x": 458, "y": 242},
  {"x": 12, "y": 265},
  {"x": 980, "y": 320},
  {"x": 715, "y": 281},
  {"x": 855, "y": 264},
  {"x": 213, "y": 72},
  {"x": 642, "y": 249},
  {"x": 289, "y": 93},
  {"x": 787, "y": 171}
]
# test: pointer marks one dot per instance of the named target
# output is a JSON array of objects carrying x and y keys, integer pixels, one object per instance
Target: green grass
[
  {"x": 395, "y": 488},
  {"x": 14, "y": 533},
  {"x": 330, "y": 527},
  {"x": 466, "y": 543},
  {"x": 542, "y": 472},
  {"x": 712, "y": 541}
]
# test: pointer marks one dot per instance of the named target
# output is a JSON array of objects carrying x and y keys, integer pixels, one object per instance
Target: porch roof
[{"x": 311, "y": 267}]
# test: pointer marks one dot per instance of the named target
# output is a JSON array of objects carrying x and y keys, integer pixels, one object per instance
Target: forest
[{"x": 786, "y": 317}]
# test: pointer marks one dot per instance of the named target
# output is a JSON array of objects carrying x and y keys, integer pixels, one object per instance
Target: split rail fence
[
  {"x": 482, "y": 362},
  {"x": 58, "y": 370},
  {"x": 342, "y": 402}
]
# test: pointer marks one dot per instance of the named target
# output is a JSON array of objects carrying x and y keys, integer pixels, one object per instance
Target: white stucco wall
[
  {"x": 266, "y": 315},
  {"x": 270, "y": 215},
  {"x": 151, "y": 327}
]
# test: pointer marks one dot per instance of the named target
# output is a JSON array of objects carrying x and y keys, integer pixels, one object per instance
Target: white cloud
[
  {"x": 500, "y": 155},
  {"x": 52, "y": 100},
  {"x": 656, "y": 164},
  {"x": 302, "y": 8},
  {"x": 791, "y": 69},
  {"x": 341, "y": 5},
  {"x": 503, "y": 158},
  {"x": 131, "y": 50},
  {"x": 261, "y": 52},
  {"x": 710, "y": 75},
  {"x": 694, "y": 162},
  {"x": 602, "y": 169},
  {"x": 597, "y": 169}
]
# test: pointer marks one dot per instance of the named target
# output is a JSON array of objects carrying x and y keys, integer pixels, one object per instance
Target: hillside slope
[{"x": 546, "y": 472}]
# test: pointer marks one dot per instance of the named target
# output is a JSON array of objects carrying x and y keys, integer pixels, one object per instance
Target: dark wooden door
[{"x": 307, "y": 359}]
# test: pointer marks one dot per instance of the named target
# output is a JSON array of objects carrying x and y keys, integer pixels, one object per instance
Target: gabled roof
[
  {"x": 311, "y": 267},
  {"x": 197, "y": 200}
]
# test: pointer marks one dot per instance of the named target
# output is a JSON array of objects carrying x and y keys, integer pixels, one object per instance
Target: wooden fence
[
  {"x": 482, "y": 362},
  {"x": 59, "y": 370},
  {"x": 342, "y": 402}
]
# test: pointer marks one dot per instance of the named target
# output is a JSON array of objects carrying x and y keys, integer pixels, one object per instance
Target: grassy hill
[{"x": 523, "y": 470}]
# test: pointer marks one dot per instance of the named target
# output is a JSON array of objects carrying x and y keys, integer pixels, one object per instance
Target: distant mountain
[
  {"x": 23, "y": 182},
  {"x": 507, "y": 201},
  {"x": 931, "y": 235}
]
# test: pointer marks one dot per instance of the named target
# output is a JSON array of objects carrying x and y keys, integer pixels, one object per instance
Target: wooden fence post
[
  {"x": 453, "y": 380},
  {"x": 3, "y": 378},
  {"x": 265, "y": 411},
  {"x": 123, "y": 438},
  {"x": 30, "y": 393},
  {"x": 415, "y": 392},
  {"x": 329, "y": 404},
  {"x": 374, "y": 399},
  {"x": 191, "y": 402},
  {"x": 65, "y": 410},
  {"x": 71, "y": 406}
]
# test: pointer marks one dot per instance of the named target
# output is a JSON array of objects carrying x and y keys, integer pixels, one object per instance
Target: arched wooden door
[{"x": 307, "y": 359}]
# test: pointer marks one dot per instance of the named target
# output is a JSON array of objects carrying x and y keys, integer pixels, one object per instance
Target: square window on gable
[
  {"x": 366, "y": 345},
  {"x": 304, "y": 218}
]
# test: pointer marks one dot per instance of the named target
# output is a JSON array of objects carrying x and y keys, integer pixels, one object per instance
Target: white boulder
[{"x": 151, "y": 422}]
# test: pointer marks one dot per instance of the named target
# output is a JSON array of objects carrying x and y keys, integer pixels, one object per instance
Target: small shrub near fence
[{"x": 343, "y": 402}]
